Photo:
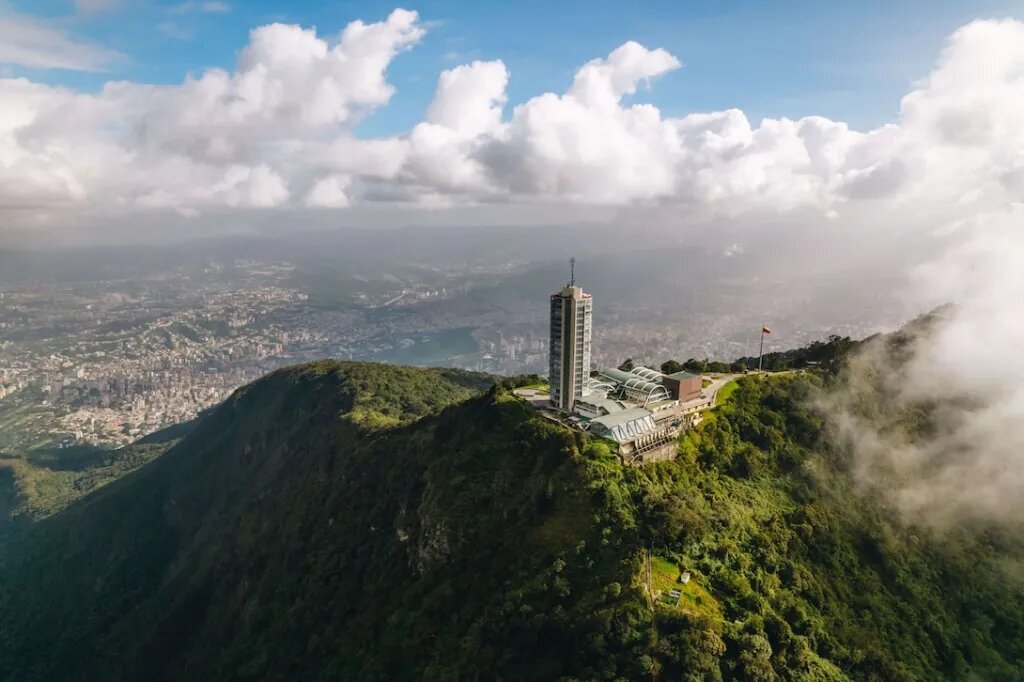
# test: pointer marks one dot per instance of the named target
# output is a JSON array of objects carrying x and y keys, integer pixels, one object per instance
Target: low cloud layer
[
  {"x": 279, "y": 131},
  {"x": 943, "y": 436}
]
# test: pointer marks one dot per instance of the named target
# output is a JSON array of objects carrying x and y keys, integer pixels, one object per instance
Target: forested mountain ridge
[{"x": 352, "y": 521}]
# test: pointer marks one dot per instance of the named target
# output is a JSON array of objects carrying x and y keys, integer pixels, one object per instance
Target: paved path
[
  {"x": 709, "y": 394},
  {"x": 717, "y": 385}
]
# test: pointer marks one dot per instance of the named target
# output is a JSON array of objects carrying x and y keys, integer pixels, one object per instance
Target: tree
[
  {"x": 756, "y": 657},
  {"x": 627, "y": 365},
  {"x": 671, "y": 367}
]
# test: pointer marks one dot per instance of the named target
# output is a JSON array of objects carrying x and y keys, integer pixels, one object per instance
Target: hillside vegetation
[
  {"x": 41, "y": 484},
  {"x": 363, "y": 522}
]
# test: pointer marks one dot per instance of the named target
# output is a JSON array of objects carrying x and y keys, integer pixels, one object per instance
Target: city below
[{"x": 104, "y": 361}]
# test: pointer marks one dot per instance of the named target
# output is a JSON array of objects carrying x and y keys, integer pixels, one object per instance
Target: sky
[
  {"x": 816, "y": 134},
  {"x": 135, "y": 110},
  {"x": 848, "y": 61}
]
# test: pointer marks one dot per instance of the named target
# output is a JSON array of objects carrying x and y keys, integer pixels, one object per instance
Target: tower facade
[{"x": 569, "y": 350}]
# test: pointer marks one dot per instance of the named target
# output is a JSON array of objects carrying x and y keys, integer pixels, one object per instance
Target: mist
[{"x": 936, "y": 423}]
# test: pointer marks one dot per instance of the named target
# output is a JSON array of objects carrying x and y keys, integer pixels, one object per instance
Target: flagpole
[{"x": 760, "y": 353}]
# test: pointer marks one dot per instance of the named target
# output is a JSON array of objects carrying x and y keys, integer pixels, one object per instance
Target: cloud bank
[
  {"x": 937, "y": 424},
  {"x": 278, "y": 131}
]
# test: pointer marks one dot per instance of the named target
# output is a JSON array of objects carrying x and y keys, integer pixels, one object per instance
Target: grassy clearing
[
  {"x": 694, "y": 598},
  {"x": 726, "y": 392}
]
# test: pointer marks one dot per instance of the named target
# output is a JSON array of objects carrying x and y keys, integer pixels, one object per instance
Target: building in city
[{"x": 569, "y": 350}]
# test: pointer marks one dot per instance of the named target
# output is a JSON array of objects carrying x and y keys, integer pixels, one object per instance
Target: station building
[{"x": 642, "y": 410}]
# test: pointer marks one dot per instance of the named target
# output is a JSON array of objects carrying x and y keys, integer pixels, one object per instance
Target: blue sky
[{"x": 847, "y": 61}]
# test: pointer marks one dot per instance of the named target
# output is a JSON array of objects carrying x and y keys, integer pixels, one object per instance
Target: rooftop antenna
[{"x": 572, "y": 272}]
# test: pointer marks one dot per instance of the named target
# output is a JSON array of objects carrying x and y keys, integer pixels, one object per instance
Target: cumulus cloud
[
  {"x": 329, "y": 192},
  {"x": 293, "y": 101},
  {"x": 958, "y": 385},
  {"x": 439, "y": 153},
  {"x": 234, "y": 138},
  {"x": 469, "y": 98},
  {"x": 290, "y": 85},
  {"x": 585, "y": 145},
  {"x": 43, "y": 44}
]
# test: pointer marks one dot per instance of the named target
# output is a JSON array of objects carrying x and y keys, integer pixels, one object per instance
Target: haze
[{"x": 692, "y": 226}]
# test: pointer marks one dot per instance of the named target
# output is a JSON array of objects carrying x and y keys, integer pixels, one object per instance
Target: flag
[{"x": 766, "y": 330}]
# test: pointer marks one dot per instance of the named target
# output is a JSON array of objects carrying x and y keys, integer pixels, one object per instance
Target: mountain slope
[
  {"x": 352, "y": 521},
  {"x": 292, "y": 534}
]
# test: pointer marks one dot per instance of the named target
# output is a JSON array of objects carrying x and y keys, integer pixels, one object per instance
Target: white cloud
[
  {"x": 439, "y": 152},
  {"x": 290, "y": 86},
  {"x": 329, "y": 192},
  {"x": 469, "y": 98},
  {"x": 257, "y": 187},
  {"x": 585, "y": 144},
  {"x": 967, "y": 464},
  {"x": 237, "y": 139},
  {"x": 42, "y": 44},
  {"x": 601, "y": 83},
  {"x": 291, "y": 105}
]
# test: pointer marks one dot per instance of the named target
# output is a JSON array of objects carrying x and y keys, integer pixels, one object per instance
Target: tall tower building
[{"x": 569, "y": 359}]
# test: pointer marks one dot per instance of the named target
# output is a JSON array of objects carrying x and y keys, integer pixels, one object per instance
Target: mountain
[{"x": 366, "y": 522}]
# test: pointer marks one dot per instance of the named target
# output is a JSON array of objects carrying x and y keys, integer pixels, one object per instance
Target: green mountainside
[
  {"x": 366, "y": 522},
  {"x": 36, "y": 486}
]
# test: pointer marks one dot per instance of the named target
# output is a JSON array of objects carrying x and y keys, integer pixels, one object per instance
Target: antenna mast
[{"x": 572, "y": 272}]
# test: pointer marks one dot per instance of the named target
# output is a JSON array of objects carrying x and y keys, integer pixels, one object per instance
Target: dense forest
[{"x": 366, "y": 522}]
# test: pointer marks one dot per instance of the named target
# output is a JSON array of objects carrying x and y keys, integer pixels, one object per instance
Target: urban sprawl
[{"x": 102, "y": 362}]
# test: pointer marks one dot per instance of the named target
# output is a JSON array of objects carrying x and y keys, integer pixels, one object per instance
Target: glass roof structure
[
  {"x": 636, "y": 387},
  {"x": 647, "y": 373},
  {"x": 624, "y": 426}
]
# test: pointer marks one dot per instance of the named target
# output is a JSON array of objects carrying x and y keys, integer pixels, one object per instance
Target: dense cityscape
[{"x": 104, "y": 362}]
